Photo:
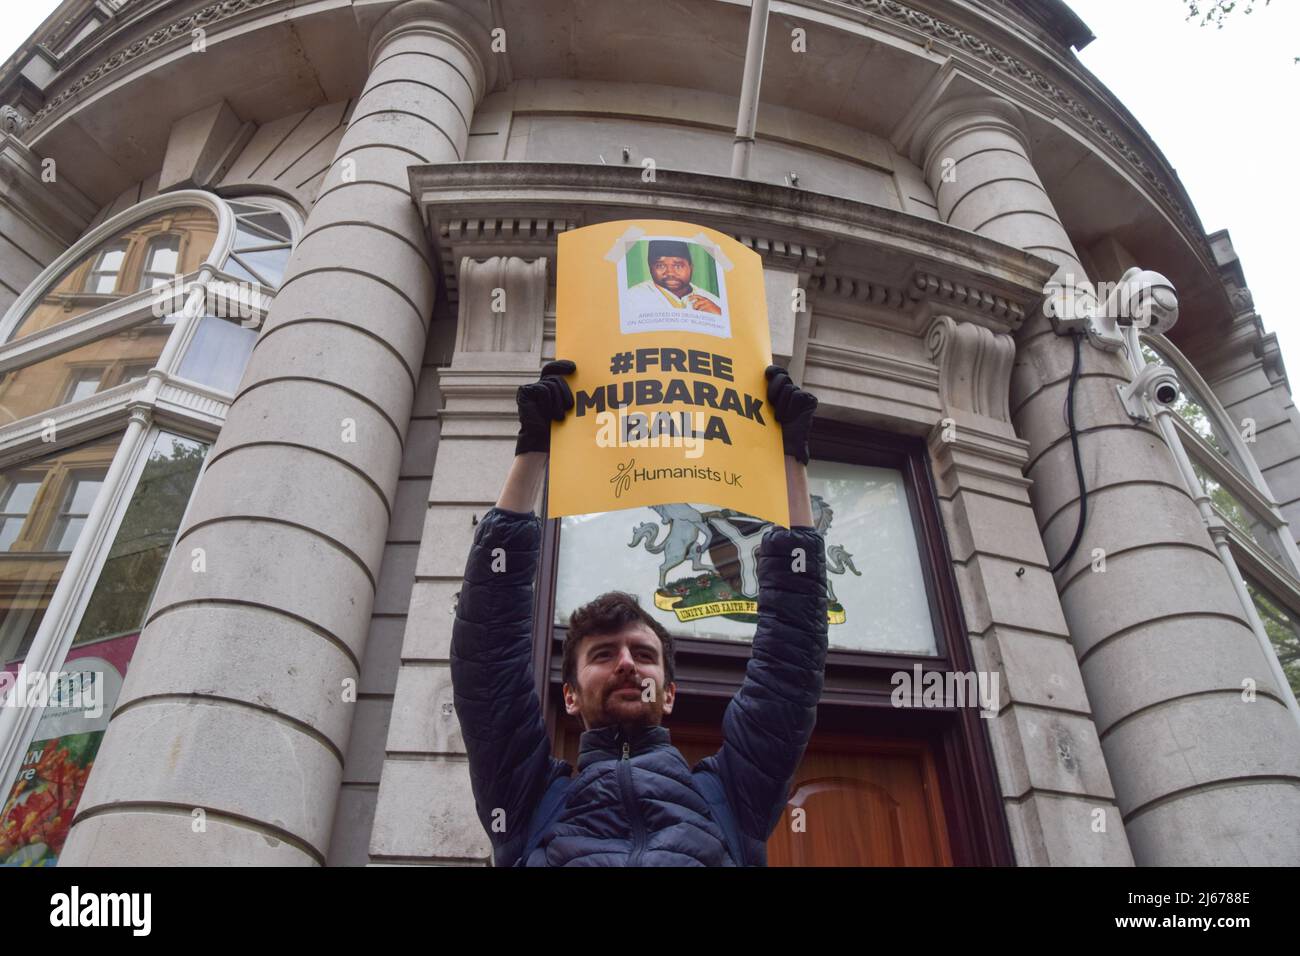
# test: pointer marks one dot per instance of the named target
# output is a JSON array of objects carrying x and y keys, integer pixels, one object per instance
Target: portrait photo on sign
[{"x": 671, "y": 284}]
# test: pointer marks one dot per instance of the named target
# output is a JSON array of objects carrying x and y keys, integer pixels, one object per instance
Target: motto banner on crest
[{"x": 667, "y": 324}]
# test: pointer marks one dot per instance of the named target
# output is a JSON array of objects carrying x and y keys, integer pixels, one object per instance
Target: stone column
[
  {"x": 1051, "y": 769},
  {"x": 1201, "y": 776},
  {"x": 425, "y": 807},
  {"x": 227, "y": 743}
]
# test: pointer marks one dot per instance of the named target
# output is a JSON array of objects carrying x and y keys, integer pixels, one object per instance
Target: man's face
[
  {"x": 620, "y": 679},
  {"x": 672, "y": 272}
]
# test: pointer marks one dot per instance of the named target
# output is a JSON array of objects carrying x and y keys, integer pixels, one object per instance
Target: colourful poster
[
  {"x": 667, "y": 324},
  {"x": 37, "y": 815}
]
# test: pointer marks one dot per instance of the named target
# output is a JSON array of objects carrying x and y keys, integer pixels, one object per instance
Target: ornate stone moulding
[
  {"x": 857, "y": 257},
  {"x": 1030, "y": 79},
  {"x": 222, "y": 13}
]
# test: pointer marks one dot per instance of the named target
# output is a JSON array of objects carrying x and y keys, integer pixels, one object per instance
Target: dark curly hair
[{"x": 605, "y": 615}]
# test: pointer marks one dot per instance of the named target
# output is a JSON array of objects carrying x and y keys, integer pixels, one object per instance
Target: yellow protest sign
[{"x": 667, "y": 324}]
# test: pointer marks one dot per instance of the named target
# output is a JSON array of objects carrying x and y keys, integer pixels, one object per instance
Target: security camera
[
  {"x": 1156, "y": 383},
  {"x": 1144, "y": 300}
]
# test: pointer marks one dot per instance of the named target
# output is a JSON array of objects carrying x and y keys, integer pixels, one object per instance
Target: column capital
[
  {"x": 962, "y": 114},
  {"x": 444, "y": 19}
]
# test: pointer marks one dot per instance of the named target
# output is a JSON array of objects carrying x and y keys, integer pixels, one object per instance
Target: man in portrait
[{"x": 669, "y": 285}]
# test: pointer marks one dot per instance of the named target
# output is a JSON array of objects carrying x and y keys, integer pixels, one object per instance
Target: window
[
  {"x": 133, "y": 373},
  {"x": 88, "y": 327},
  {"x": 262, "y": 245},
  {"x": 1192, "y": 409},
  {"x": 1283, "y": 628},
  {"x": 102, "y": 279},
  {"x": 83, "y": 383},
  {"x": 218, "y": 353},
  {"x": 19, "y": 493},
  {"x": 1232, "y": 510},
  {"x": 162, "y": 262},
  {"x": 135, "y": 561},
  {"x": 34, "y": 498},
  {"x": 1262, "y": 551},
  {"x": 694, "y": 566},
  {"x": 82, "y": 371},
  {"x": 78, "y": 498},
  {"x": 43, "y": 793},
  {"x": 177, "y": 240}
]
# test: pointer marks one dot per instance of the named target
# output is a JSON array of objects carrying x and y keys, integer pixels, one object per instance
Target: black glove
[
  {"x": 793, "y": 408},
  {"x": 541, "y": 403}
]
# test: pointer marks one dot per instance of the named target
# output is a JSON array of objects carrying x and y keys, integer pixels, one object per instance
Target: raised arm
[
  {"x": 767, "y": 725},
  {"x": 492, "y": 679},
  {"x": 491, "y": 643}
]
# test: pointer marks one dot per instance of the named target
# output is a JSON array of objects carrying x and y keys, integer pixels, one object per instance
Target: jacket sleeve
[
  {"x": 768, "y": 723},
  {"x": 492, "y": 681}
]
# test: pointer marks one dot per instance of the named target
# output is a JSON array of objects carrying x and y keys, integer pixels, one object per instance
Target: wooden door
[{"x": 855, "y": 801}]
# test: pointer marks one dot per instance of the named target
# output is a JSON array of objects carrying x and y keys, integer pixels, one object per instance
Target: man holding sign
[{"x": 634, "y": 800}]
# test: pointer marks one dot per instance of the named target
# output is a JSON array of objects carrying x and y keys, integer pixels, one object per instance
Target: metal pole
[{"x": 748, "y": 117}]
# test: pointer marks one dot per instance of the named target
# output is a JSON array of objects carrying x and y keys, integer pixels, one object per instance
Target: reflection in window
[
  {"x": 82, "y": 371},
  {"x": 1235, "y": 512},
  {"x": 1283, "y": 629},
  {"x": 218, "y": 353},
  {"x": 78, "y": 498},
  {"x": 262, "y": 245},
  {"x": 694, "y": 567},
  {"x": 134, "y": 373},
  {"x": 83, "y": 383},
  {"x": 29, "y": 572},
  {"x": 161, "y": 262},
  {"x": 15, "y": 502},
  {"x": 102, "y": 279},
  {"x": 1191, "y": 408},
  {"x": 177, "y": 240},
  {"x": 144, "y": 539},
  {"x": 42, "y": 800}
]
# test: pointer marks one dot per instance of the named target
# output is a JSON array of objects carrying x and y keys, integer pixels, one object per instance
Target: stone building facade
[{"x": 248, "y": 511}]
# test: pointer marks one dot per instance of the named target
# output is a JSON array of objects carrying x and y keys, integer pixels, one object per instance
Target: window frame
[
  {"x": 1245, "y": 481},
  {"x": 95, "y": 272},
  {"x": 136, "y": 411},
  {"x": 856, "y": 697},
  {"x": 70, "y": 484},
  {"x": 150, "y": 248},
  {"x": 36, "y": 478}
]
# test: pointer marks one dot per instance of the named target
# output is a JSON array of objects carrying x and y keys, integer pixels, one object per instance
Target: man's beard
[{"x": 636, "y": 711}]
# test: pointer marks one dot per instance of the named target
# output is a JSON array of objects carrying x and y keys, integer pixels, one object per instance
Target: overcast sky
[{"x": 1220, "y": 103}]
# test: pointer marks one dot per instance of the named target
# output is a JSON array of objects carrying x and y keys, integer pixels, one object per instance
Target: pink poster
[{"x": 43, "y": 800}]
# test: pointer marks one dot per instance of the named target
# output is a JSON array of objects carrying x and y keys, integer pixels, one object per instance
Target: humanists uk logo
[{"x": 102, "y": 909}]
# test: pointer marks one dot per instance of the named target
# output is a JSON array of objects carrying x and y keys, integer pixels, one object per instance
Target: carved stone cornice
[
  {"x": 178, "y": 32},
  {"x": 856, "y": 289},
  {"x": 974, "y": 367},
  {"x": 475, "y": 238},
  {"x": 791, "y": 256},
  {"x": 925, "y": 284},
  {"x": 1036, "y": 83},
  {"x": 864, "y": 255}
]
